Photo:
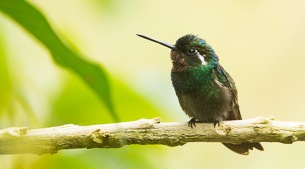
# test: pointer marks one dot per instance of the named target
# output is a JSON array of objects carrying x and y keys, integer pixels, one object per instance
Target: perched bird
[{"x": 206, "y": 92}]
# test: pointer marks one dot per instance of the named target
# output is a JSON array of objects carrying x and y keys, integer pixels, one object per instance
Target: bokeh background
[{"x": 260, "y": 43}]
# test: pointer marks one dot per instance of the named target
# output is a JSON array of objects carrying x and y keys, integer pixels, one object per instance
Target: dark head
[{"x": 189, "y": 50}]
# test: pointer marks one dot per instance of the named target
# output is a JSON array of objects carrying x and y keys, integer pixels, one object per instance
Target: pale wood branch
[{"x": 19, "y": 140}]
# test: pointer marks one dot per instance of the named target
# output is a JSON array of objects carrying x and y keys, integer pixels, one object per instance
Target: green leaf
[{"x": 36, "y": 24}]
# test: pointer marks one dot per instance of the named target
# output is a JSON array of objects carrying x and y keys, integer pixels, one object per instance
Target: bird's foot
[
  {"x": 217, "y": 122},
  {"x": 192, "y": 122}
]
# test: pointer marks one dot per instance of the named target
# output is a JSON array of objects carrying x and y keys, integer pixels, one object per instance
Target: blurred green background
[{"x": 260, "y": 43}]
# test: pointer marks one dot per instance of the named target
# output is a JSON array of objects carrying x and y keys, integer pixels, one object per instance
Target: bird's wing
[{"x": 225, "y": 79}]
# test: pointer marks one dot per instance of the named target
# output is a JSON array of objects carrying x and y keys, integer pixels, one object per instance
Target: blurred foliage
[
  {"x": 130, "y": 105},
  {"x": 75, "y": 103},
  {"x": 34, "y": 22},
  {"x": 18, "y": 111},
  {"x": 5, "y": 82},
  {"x": 127, "y": 157}
]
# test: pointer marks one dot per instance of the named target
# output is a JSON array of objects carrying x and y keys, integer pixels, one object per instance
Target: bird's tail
[{"x": 243, "y": 148}]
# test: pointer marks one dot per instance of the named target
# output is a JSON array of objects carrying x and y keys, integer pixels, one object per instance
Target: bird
[{"x": 206, "y": 92}]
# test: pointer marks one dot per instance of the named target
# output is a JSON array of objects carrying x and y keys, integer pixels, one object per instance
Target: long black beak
[{"x": 161, "y": 43}]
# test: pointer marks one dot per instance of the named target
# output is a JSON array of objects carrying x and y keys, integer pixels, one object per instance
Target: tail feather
[{"x": 243, "y": 148}]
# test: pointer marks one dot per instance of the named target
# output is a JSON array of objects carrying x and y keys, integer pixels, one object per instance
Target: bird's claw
[
  {"x": 217, "y": 122},
  {"x": 192, "y": 123}
]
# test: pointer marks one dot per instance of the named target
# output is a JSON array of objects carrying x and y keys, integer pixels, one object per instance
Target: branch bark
[{"x": 19, "y": 140}]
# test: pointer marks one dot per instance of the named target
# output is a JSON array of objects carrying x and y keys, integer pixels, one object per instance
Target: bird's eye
[{"x": 191, "y": 51}]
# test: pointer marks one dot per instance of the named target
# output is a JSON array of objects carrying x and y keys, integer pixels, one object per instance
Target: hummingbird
[{"x": 206, "y": 92}]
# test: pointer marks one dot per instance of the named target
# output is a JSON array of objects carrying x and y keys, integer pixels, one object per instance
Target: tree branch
[{"x": 18, "y": 140}]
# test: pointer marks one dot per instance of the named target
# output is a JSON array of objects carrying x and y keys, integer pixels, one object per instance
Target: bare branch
[{"x": 18, "y": 140}]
